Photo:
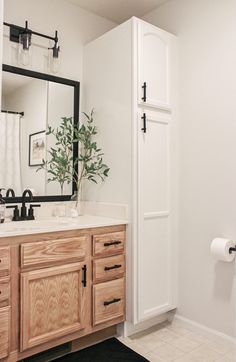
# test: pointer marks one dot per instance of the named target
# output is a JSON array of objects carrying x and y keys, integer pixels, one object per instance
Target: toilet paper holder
[{"x": 232, "y": 249}]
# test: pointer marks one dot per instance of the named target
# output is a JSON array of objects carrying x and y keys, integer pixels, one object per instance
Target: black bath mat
[{"x": 110, "y": 350}]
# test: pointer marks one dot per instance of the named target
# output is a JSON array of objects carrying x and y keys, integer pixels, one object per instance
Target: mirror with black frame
[{"x": 31, "y": 102}]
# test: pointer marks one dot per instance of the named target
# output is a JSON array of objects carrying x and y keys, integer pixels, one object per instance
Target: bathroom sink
[
  {"x": 54, "y": 224},
  {"x": 20, "y": 226}
]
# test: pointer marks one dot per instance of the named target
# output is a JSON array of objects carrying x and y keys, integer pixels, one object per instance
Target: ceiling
[{"x": 119, "y": 10}]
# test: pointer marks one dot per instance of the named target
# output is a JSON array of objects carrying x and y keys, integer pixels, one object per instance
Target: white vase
[
  {"x": 60, "y": 210},
  {"x": 76, "y": 208}
]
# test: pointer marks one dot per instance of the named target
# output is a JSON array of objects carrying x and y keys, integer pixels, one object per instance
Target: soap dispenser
[{"x": 2, "y": 208}]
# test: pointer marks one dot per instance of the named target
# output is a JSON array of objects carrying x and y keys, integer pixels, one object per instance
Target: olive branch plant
[{"x": 88, "y": 165}]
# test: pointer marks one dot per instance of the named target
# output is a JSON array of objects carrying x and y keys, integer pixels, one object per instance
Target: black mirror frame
[{"x": 55, "y": 79}]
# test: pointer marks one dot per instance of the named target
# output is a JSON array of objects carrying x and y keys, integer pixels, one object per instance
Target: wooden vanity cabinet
[
  {"x": 52, "y": 303},
  {"x": 4, "y": 332},
  {"x": 108, "y": 277},
  {"x": 5, "y": 309},
  {"x": 58, "y": 287}
]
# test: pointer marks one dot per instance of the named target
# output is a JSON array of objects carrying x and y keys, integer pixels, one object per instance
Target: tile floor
[{"x": 173, "y": 342}]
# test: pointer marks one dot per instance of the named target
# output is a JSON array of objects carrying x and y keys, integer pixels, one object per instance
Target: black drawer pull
[
  {"x": 116, "y": 266},
  {"x": 115, "y": 300},
  {"x": 114, "y": 242}
]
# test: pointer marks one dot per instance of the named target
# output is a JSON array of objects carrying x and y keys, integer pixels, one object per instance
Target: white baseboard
[
  {"x": 129, "y": 328},
  {"x": 201, "y": 329}
]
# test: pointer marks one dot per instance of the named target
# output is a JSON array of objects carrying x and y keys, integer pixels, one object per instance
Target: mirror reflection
[{"x": 29, "y": 106}]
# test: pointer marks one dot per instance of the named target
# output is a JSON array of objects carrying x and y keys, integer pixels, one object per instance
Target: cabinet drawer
[
  {"x": 108, "y": 268},
  {"x": 108, "y": 301},
  {"x": 4, "y": 331},
  {"x": 53, "y": 251},
  {"x": 5, "y": 260},
  {"x": 108, "y": 244},
  {"x": 5, "y": 290}
]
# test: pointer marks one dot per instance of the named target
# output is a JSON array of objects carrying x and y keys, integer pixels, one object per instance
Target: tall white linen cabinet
[{"x": 130, "y": 80}]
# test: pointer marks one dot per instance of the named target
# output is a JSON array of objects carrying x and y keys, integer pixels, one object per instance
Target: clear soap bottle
[{"x": 2, "y": 208}]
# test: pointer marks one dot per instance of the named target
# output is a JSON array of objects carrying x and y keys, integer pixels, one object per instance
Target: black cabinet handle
[
  {"x": 144, "y": 118},
  {"x": 115, "y": 300},
  {"x": 114, "y": 242},
  {"x": 84, "y": 280},
  {"x": 144, "y": 87},
  {"x": 116, "y": 266}
]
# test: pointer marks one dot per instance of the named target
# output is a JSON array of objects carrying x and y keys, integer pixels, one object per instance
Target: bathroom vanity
[{"x": 59, "y": 281}]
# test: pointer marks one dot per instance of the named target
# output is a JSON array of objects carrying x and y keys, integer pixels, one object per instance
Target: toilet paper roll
[{"x": 220, "y": 249}]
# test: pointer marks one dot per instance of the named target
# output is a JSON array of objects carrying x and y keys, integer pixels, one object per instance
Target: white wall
[
  {"x": 207, "y": 47},
  {"x": 1, "y": 30},
  {"x": 75, "y": 28},
  {"x": 111, "y": 82}
]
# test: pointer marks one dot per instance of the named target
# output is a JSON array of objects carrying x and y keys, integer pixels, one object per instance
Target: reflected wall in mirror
[{"x": 31, "y": 102}]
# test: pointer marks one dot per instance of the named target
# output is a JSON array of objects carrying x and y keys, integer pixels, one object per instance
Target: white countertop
[{"x": 53, "y": 224}]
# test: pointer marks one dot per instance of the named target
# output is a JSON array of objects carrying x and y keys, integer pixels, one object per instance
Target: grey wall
[{"x": 207, "y": 48}]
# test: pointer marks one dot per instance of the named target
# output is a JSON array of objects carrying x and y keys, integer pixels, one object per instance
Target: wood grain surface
[
  {"x": 51, "y": 303},
  {"x": 48, "y": 252},
  {"x": 108, "y": 268},
  {"x": 106, "y": 292},
  {"x": 4, "y": 331},
  {"x": 105, "y": 244}
]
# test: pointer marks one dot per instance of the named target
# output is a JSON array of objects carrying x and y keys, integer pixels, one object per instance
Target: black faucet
[
  {"x": 10, "y": 192},
  {"x": 23, "y": 213}
]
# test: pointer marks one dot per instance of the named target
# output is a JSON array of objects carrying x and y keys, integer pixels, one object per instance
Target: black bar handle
[
  {"x": 116, "y": 266},
  {"x": 144, "y": 87},
  {"x": 84, "y": 280},
  {"x": 114, "y": 242},
  {"x": 232, "y": 249},
  {"x": 115, "y": 300},
  {"x": 144, "y": 118}
]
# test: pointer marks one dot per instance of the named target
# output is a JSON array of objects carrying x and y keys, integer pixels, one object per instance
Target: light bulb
[
  {"x": 24, "y": 57},
  {"x": 54, "y": 64},
  {"x": 54, "y": 60}
]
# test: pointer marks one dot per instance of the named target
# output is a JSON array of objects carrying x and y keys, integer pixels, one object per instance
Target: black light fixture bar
[{"x": 16, "y": 30}]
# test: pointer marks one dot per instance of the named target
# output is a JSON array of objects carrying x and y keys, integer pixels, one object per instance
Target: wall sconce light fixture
[
  {"x": 54, "y": 58},
  {"x": 23, "y": 36}
]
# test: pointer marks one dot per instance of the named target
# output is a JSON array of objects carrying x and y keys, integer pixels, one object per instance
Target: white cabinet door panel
[
  {"x": 154, "y": 273},
  {"x": 153, "y": 66},
  {"x": 154, "y": 252},
  {"x": 154, "y": 160}
]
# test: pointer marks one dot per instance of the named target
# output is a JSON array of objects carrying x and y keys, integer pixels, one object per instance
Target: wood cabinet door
[
  {"x": 53, "y": 303},
  {"x": 4, "y": 331},
  {"x": 154, "y": 47}
]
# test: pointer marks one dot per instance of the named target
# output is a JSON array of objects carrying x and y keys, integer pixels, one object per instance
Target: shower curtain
[{"x": 10, "y": 167}]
